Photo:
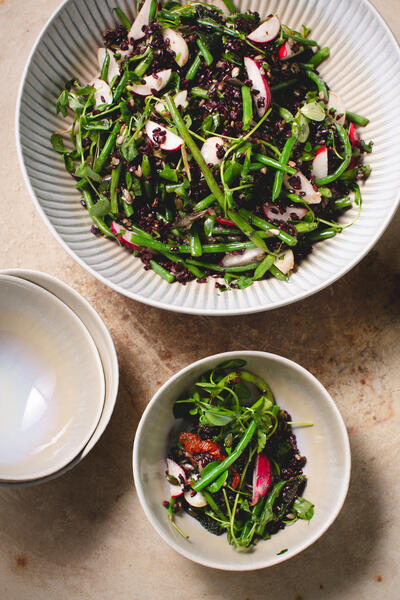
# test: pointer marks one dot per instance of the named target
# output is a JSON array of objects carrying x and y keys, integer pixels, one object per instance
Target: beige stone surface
[{"x": 84, "y": 536}]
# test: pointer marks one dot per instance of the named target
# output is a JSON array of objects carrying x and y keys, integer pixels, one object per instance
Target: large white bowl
[
  {"x": 105, "y": 346},
  {"x": 325, "y": 445},
  {"x": 51, "y": 382},
  {"x": 364, "y": 68}
]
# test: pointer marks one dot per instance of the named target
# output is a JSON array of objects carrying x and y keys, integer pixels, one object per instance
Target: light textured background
[{"x": 84, "y": 536}]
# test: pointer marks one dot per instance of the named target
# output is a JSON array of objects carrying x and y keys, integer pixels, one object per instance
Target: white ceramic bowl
[
  {"x": 364, "y": 68},
  {"x": 325, "y": 445},
  {"x": 104, "y": 344},
  {"x": 51, "y": 382}
]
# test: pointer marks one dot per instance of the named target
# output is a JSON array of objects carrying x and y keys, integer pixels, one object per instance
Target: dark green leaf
[
  {"x": 217, "y": 420},
  {"x": 62, "y": 103},
  {"x": 76, "y": 104},
  {"x": 101, "y": 208},
  {"x": 282, "y": 551},
  {"x": 68, "y": 162},
  {"x": 86, "y": 171},
  {"x": 96, "y": 124},
  {"x": 129, "y": 150},
  {"x": 235, "y": 363},
  {"x": 216, "y": 485},
  {"x": 169, "y": 174},
  {"x": 58, "y": 144},
  {"x": 244, "y": 282}
]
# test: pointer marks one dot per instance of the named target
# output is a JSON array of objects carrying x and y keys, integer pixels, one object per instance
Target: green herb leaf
[
  {"x": 96, "y": 124},
  {"x": 300, "y": 128},
  {"x": 129, "y": 150},
  {"x": 215, "y": 419},
  {"x": 58, "y": 144},
  {"x": 86, "y": 171},
  {"x": 169, "y": 174},
  {"x": 303, "y": 509},
  {"x": 313, "y": 111},
  {"x": 62, "y": 103},
  {"x": 101, "y": 208}
]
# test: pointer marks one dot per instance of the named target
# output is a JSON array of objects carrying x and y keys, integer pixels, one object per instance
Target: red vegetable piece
[
  {"x": 225, "y": 222},
  {"x": 353, "y": 135},
  {"x": 262, "y": 477}
]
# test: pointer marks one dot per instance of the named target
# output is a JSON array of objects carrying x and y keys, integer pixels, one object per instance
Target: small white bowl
[
  {"x": 325, "y": 445},
  {"x": 51, "y": 382},
  {"x": 105, "y": 346}
]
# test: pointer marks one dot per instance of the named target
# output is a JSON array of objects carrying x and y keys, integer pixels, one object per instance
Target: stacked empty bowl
[{"x": 58, "y": 377}]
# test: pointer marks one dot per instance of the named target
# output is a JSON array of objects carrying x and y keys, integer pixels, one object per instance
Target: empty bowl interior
[
  {"x": 51, "y": 382},
  {"x": 325, "y": 445},
  {"x": 363, "y": 69}
]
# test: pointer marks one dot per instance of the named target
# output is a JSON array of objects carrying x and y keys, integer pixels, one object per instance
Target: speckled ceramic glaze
[{"x": 364, "y": 68}]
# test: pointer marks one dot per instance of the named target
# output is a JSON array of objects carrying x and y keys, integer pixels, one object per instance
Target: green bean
[
  {"x": 325, "y": 192},
  {"x": 115, "y": 175},
  {"x": 219, "y": 269},
  {"x": 128, "y": 209},
  {"x": 225, "y": 464},
  {"x": 320, "y": 56},
  {"x": 271, "y": 162},
  {"x": 157, "y": 268},
  {"x": 96, "y": 220},
  {"x": 204, "y": 51},
  {"x": 305, "y": 227},
  {"x": 264, "y": 266},
  {"x": 324, "y": 234},
  {"x": 247, "y": 229},
  {"x": 194, "y": 67},
  {"x": 247, "y": 107},
  {"x": 318, "y": 82},
  {"x": 153, "y": 10},
  {"x": 343, "y": 203},
  {"x": 209, "y": 223},
  {"x": 146, "y": 172},
  {"x": 149, "y": 242},
  {"x": 198, "y": 92},
  {"x": 301, "y": 40},
  {"x": 123, "y": 18},
  {"x": 267, "y": 513},
  {"x": 290, "y": 240},
  {"x": 121, "y": 86},
  {"x": 230, "y": 5},
  {"x": 203, "y": 204},
  {"x": 347, "y": 158},
  {"x": 101, "y": 160},
  {"x": 284, "y": 85},
  {"x": 142, "y": 67},
  {"x": 355, "y": 118},
  {"x": 195, "y": 244},
  {"x": 278, "y": 274},
  {"x": 286, "y": 152},
  {"x": 214, "y": 25},
  {"x": 104, "y": 68}
]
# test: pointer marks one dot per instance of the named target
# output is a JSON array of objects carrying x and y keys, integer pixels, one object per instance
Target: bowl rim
[
  {"x": 159, "y": 303},
  {"x": 344, "y": 437},
  {"x": 111, "y": 392},
  {"x": 61, "y": 463}
]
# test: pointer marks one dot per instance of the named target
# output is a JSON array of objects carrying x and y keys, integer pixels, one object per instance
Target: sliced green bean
[
  {"x": 203, "y": 204},
  {"x": 194, "y": 67},
  {"x": 195, "y": 244},
  {"x": 142, "y": 67},
  {"x": 123, "y": 18},
  {"x": 157, "y": 268},
  {"x": 278, "y": 274},
  {"x": 264, "y": 266},
  {"x": 146, "y": 172},
  {"x": 284, "y": 85},
  {"x": 198, "y": 92},
  {"x": 320, "y": 56},
  {"x": 115, "y": 175},
  {"x": 204, "y": 51},
  {"x": 247, "y": 101},
  {"x": 347, "y": 157},
  {"x": 324, "y": 234},
  {"x": 301, "y": 40},
  {"x": 318, "y": 82},
  {"x": 119, "y": 90},
  {"x": 343, "y": 203},
  {"x": 290, "y": 240},
  {"x": 305, "y": 227},
  {"x": 104, "y": 67},
  {"x": 355, "y": 118},
  {"x": 101, "y": 160},
  {"x": 271, "y": 162},
  {"x": 285, "y": 156}
]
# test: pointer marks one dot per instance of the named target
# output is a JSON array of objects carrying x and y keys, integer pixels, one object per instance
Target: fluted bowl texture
[{"x": 364, "y": 68}]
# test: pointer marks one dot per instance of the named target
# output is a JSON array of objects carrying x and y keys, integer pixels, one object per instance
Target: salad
[
  {"x": 209, "y": 145},
  {"x": 235, "y": 466}
]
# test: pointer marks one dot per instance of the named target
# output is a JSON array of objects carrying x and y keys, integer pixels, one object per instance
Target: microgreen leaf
[
  {"x": 303, "y": 508},
  {"x": 58, "y": 144},
  {"x": 313, "y": 111},
  {"x": 101, "y": 208}
]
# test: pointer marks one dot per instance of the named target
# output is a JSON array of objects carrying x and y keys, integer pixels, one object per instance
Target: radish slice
[
  {"x": 287, "y": 50},
  {"x": 174, "y": 470},
  {"x": 169, "y": 140},
  {"x": 266, "y": 32},
  {"x": 221, "y": 5},
  {"x": 180, "y": 101},
  {"x": 336, "y": 103},
  {"x": 262, "y": 477},
  {"x": 113, "y": 67},
  {"x": 320, "y": 163},
  {"x": 285, "y": 261},
  {"x": 143, "y": 18},
  {"x": 198, "y": 500},
  {"x": 303, "y": 185},
  {"x": 210, "y": 150},
  {"x": 154, "y": 82},
  {"x": 103, "y": 93},
  {"x": 259, "y": 83},
  {"x": 240, "y": 260},
  {"x": 290, "y": 214},
  {"x": 353, "y": 135},
  {"x": 124, "y": 238},
  {"x": 178, "y": 45}
]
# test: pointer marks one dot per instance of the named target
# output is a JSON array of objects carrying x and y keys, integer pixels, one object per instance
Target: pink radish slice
[
  {"x": 262, "y": 477},
  {"x": 197, "y": 500},
  {"x": 103, "y": 93},
  {"x": 180, "y": 101},
  {"x": 285, "y": 261},
  {"x": 210, "y": 148},
  {"x": 174, "y": 470},
  {"x": 240, "y": 260},
  {"x": 336, "y": 104},
  {"x": 113, "y": 67},
  {"x": 353, "y": 135},
  {"x": 320, "y": 163},
  {"x": 168, "y": 140},
  {"x": 300, "y": 183},
  {"x": 124, "y": 238},
  {"x": 290, "y": 214},
  {"x": 152, "y": 82},
  {"x": 258, "y": 82},
  {"x": 287, "y": 50},
  {"x": 143, "y": 17},
  {"x": 221, "y": 5},
  {"x": 266, "y": 32},
  {"x": 177, "y": 44}
]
